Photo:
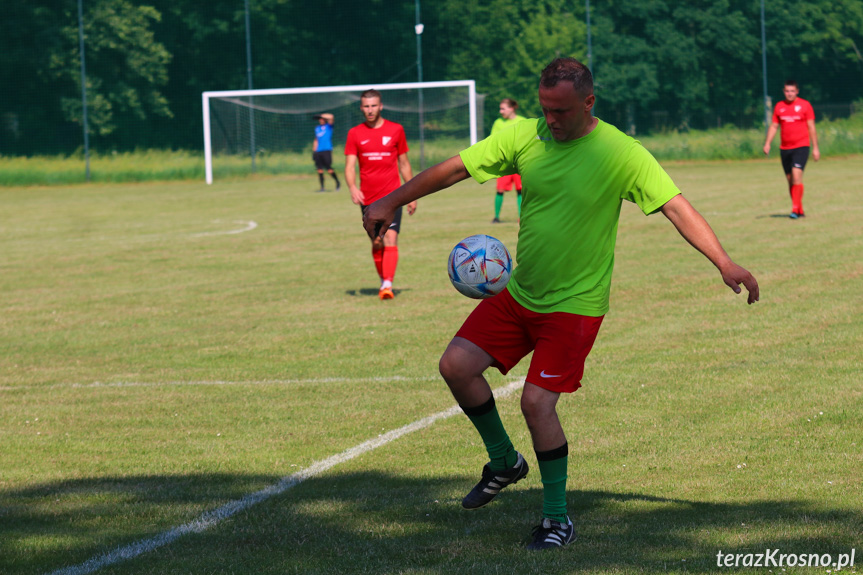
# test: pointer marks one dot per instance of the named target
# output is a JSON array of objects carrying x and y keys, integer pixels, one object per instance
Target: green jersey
[
  {"x": 501, "y": 123},
  {"x": 572, "y": 195}
]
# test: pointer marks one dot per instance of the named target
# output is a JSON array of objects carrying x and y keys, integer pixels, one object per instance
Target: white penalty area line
[
  {"x": 216, "y": 516},
  {"x": 248, "y": 226},
  {"x": 245, "y": 226}
]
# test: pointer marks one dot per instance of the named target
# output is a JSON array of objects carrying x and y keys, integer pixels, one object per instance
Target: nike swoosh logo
[
  {"x": 546, "y": 375},
  {"x": 364, "y": 142}
]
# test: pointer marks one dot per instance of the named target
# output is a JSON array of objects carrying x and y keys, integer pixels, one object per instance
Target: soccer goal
[{"x": 440, "y": 118}]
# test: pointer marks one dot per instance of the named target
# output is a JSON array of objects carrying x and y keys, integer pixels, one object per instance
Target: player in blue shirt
[{"x": 322, "y": 149}]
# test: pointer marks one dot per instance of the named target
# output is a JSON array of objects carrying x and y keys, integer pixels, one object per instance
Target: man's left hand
[{"x": 735, "y": 275}]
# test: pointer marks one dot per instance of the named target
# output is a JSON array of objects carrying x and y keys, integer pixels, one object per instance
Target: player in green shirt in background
[
  {"x": 508, "y": 117},
  {"x": 577, "y": 170}
]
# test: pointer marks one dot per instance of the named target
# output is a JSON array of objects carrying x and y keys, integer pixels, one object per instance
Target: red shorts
[
  {"x": 504, "y": 184},
  {"x": 508, "y": 331}
]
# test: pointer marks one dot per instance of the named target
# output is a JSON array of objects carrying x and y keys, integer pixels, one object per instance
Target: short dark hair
[
  {"x": 567, "y": 70},
  {"x": 371, "y": 94},
  {"x": 510, "y": 102},
  {"x": 790, "y": 82}
]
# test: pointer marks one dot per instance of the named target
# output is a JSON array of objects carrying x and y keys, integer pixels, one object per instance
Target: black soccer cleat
[
  {"x": 550, "y": 534},
  {"x": 493, "y": 481}
]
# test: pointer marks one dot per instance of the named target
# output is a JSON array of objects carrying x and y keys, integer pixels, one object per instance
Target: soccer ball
[{"x": 479, "y": 266}]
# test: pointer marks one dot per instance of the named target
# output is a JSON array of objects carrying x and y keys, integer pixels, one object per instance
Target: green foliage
[
  {"x": 125, "y": 65},
  {"x": 545, "y": 36},
  {"x": 508, "y": 43},
  {"x": 658, "y": 65}
]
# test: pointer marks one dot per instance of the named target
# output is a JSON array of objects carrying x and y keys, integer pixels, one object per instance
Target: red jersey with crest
[
  {"x": 792, "y": 119},
  {"x": 378, "y": 151}
]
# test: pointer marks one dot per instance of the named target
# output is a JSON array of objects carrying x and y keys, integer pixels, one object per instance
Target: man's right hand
[
  {"x": 377, "y": 219},
  {"x": 357, "y": 196},
  {"x": 378, "y": 216},
  {"x": 766, "y": 149}
]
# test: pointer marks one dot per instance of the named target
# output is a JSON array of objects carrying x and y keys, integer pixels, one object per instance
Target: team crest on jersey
[
  {"x": 796, "y": 108},
  {"x": 386, "y": 140}
]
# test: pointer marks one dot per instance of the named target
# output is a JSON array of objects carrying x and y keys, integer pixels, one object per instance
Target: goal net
[{"x": 259, "y": 128}]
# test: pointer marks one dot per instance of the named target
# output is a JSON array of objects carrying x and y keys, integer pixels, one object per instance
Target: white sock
[{"x": 386, "y": 284}]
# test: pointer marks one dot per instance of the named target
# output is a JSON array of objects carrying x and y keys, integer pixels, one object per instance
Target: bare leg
[
  {"x": 462, "y": 367},
  {"x": 391, "y": 238},
  {"x": 795, "y": 178},
  {"x": 539, "y": 408}
]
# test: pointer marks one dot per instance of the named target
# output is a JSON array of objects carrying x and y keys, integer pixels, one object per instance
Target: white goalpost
[{"x": 266, "y": 122}]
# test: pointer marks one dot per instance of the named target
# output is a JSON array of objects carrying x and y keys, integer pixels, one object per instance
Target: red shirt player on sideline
[
  {"x": 797, "y": 119},
  {"x": 381, "y": 149}
]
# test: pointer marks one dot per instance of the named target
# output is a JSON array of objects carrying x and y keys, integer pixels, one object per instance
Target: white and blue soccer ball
[{"x": 479, "y": 266}]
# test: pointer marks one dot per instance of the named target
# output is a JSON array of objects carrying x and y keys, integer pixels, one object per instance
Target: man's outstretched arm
[
  {"x": 695, "y": 230},
  {"x": 379, "y": 215}
]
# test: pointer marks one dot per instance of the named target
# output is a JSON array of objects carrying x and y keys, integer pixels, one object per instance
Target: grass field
[{"x": 167, "y": 349}]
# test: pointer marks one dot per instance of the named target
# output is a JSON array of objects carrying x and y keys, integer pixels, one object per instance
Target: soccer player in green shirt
[
  {"x": 577, "y": 170},
  {"x": 508, "y": 117}
]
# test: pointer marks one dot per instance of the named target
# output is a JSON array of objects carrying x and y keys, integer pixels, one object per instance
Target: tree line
[{"x": 657, "y": 64}]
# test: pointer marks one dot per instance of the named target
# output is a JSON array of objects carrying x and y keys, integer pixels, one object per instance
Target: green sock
[
  {"x": 487, "y": 422},
  {"x": 552, "y": 470},
  {"x": 498, "y": 203},
  {"x": 518, "y": 203}
]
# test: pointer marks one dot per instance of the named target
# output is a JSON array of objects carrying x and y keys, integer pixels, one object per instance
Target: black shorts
[
  {"x": 397, "y": 221},
  {"x": 794, "y": 158},
  {"x": 323, "y": 160}
]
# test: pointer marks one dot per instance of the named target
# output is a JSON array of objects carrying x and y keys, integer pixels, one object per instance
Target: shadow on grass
[
  {"x": 375, "y": 522},
  {"x": 371, "y": 291}
]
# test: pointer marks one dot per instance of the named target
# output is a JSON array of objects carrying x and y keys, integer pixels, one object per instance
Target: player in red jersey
[
  {"x": 381, "y": 149},
  {"x": 797, "y": 119}
]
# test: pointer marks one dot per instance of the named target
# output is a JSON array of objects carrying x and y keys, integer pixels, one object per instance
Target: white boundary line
[
  {"x": 216, "y": 516},
  {"x": 248, "y": 225}
]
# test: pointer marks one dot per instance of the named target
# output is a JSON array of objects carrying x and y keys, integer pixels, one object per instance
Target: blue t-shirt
[{"x": 324, "y": 135}]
